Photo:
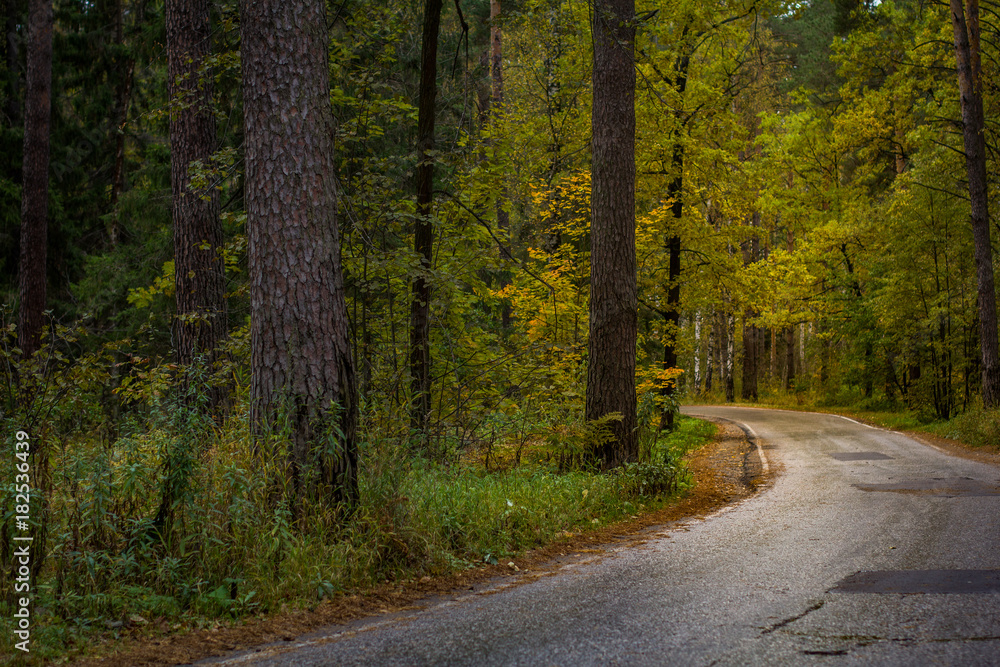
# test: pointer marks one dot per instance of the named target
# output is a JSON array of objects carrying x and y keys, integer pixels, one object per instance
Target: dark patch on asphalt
[
  {"x": 830, "y": 652},
  {"x": 860, "y": 456},
  {"x": 780, "y": 624},
  {"x": 916, "y": 582},
  {"x": 946, "y": 487}
]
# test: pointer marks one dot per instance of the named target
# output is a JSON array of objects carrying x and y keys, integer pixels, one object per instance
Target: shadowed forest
[{"x": 300, "y": 298}]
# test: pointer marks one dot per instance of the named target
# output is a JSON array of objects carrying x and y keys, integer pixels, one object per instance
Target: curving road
[{"x": 869, "y": 549}]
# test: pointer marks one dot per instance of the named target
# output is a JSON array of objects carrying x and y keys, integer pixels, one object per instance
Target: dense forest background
[{"x": 802, "y": 236}]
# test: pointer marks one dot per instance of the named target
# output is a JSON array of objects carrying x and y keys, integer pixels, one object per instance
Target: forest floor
[{"x": 725, "y": 470}]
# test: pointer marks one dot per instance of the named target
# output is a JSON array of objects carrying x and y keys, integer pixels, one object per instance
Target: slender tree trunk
[
  {"x": 613, "y": 292},
  {"x": 199, "y": 269},
  {"x": 789, "y": 358},
  {"x": 423, "y": 231},
  {"x": 751, "y": 333},
  {"x": 35, "y": 169},
  {"x": 497, "y": 112},
  {"x": 773, "y": 367},
  {"x": 967, "y": 56},
  {"x": 12, "y": 103},
  {"x": 120, "y": 118},
  {"x": 300, "y": 353},
  {"x": 748, "y": 391},
  {"x": 675, "y": 192},
  {"x": 710, "y": 356},
  {"x": 730, "y": 353},
  {"x": 697, "y": 352},
  {"x": 802, "y": 349},
  {"x": 789, "y": 331}
]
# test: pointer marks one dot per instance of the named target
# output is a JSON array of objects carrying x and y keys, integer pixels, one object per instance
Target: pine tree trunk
[
  {"x": 697, "y": 353},
  {"x": 423, "y": 231},
  {"x": 789, "y": 358},
  {"x": 12, "y": 103},
  {"x": 613, "y": 292},
  {"x": 497, "y": 111},
  {"x": 300, "y": 354},
  {"x": 730, "y": 353},
  {"x": 710, "y": 356},
  {"x": 751, "y": 334},
  {"x": 199, "y": 269},
  {"x": 119, "y": 119},
  {"x": 675, "y": 192},
  {"x": 35, "y": 169},
  {"x": 967, "y": 56}
]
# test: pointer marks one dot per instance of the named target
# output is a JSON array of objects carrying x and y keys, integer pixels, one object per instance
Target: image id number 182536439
[{"x": 22, "y": 539}]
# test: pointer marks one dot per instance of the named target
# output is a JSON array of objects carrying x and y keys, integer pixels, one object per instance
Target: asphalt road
[{"x": 870, "y": 548}]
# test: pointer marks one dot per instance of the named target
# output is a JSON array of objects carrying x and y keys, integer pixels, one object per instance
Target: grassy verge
[
  {"x": 976, "y": 428},
  {"x": 233, "y": 551}
]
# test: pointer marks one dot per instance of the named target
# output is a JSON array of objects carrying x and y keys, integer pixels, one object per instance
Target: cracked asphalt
[{"x": 870, "y": 548}]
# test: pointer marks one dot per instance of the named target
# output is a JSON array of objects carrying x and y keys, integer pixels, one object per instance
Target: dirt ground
[{"x": 726, "y": 471}]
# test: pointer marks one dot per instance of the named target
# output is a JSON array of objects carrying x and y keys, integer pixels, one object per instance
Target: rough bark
[
  {"x": 300, "y": 352},
  {"x": 966, "y": 30},
  {"x": 199, "y": 275},
  {"x": 35, "y": 170},
  {"x": 613, "y": 295},
  {"x": 423, "y": 230}
]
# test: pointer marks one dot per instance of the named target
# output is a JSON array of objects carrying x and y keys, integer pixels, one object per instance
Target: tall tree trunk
[
  {"x": 199, "y": 269},
  {"x": 730, "y": 353},
  {"x": 751, "y": 333},
  {"x": 710, "y": 356},
  {"x": 122, "y": 100},
  {"x": 789, "y": 358},
  {"x": 12, "y": 103},
  {"x": 35, "y": 192},
  {"x": 697, "y": 352},
  {"x": 423, "y": 231},
  {"x": 497, "y": 111},
  {"x": 802, "y": 349},
  {"x": 613, "y": 292},
  {"x": 675, "y": 192},
  {"x": 965, "y": 25},
  {"x": 300, "y": 352},
  {"x": 789, "y": 378},
  {"x": 748, "y": 391}
]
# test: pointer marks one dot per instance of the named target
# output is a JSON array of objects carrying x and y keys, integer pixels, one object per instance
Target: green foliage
[{"x": 976, "y": 427}]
